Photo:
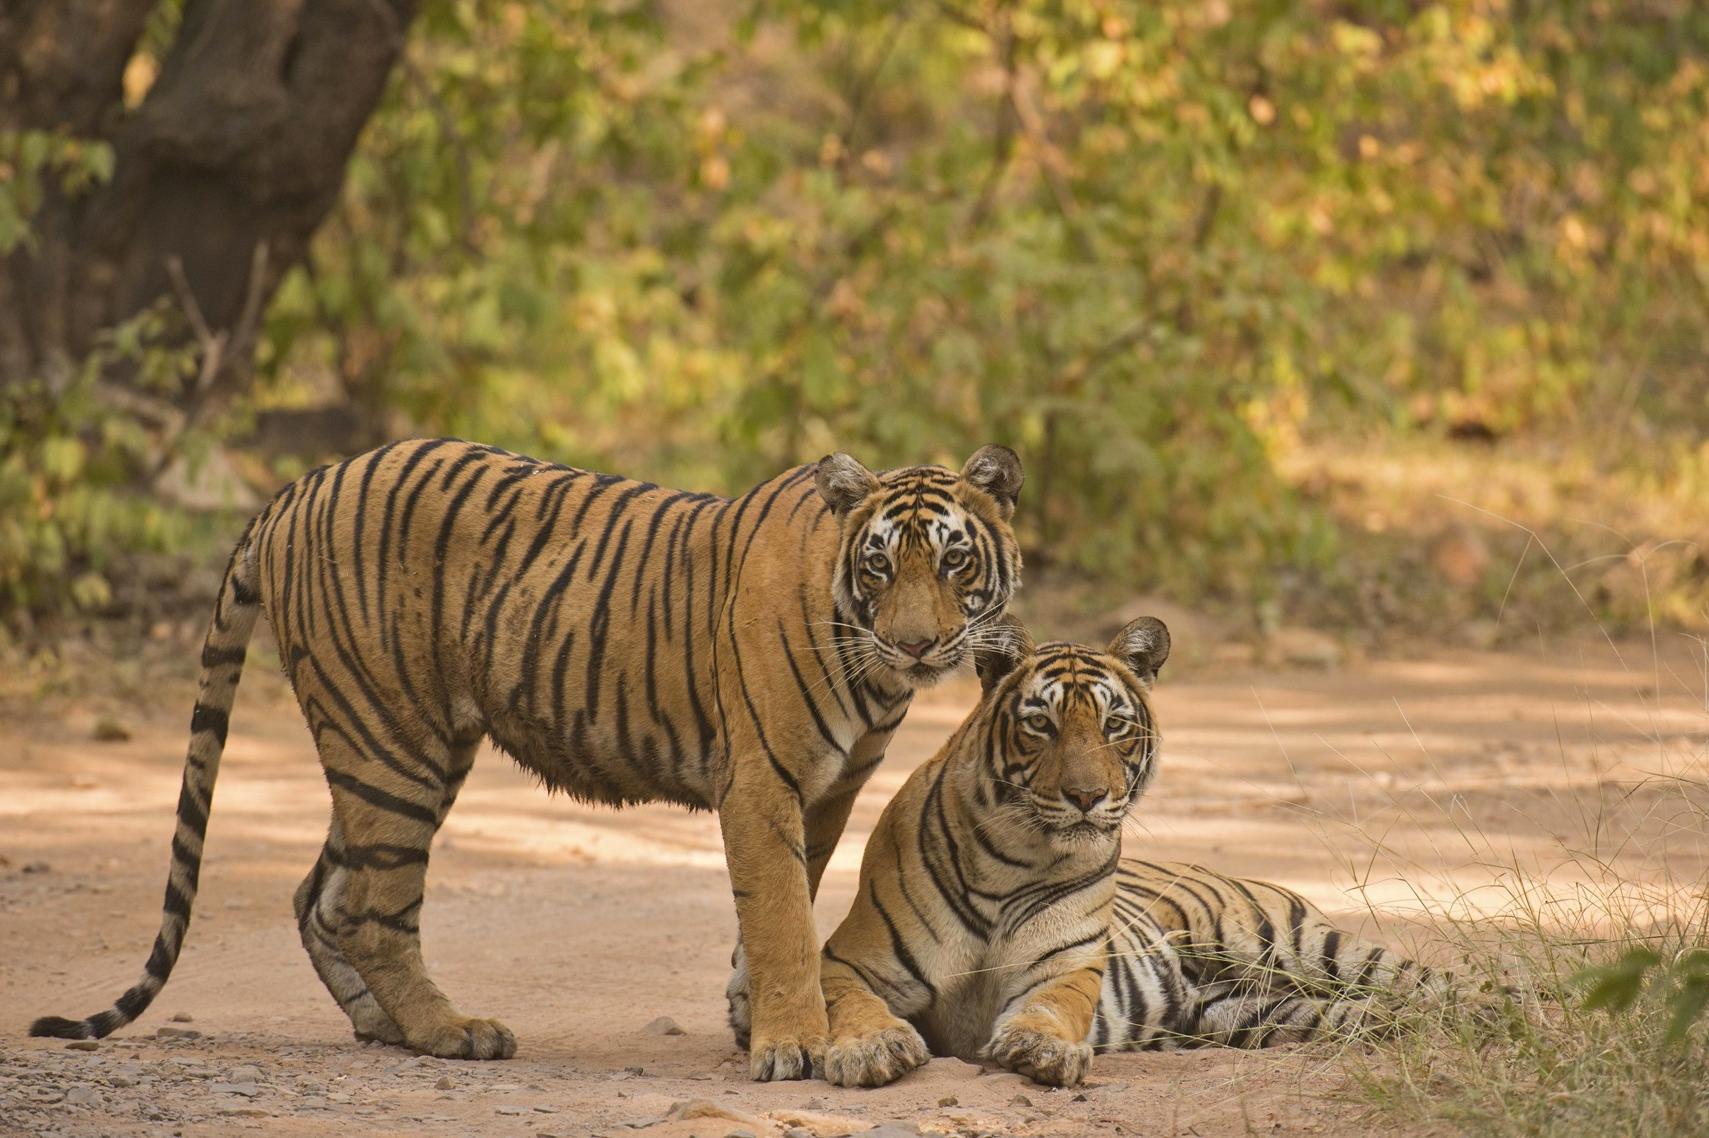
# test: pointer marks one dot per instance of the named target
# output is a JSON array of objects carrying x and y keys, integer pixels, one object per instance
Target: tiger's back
[{"x": 441, "y": 591}]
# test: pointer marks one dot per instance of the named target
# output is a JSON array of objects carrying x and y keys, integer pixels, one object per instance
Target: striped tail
[{"x": 222, "y": 665}]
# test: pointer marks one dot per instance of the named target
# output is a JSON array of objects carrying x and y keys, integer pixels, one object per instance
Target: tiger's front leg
[
  {"x": 766, "y": 850},
  {"x": 1042, "y": 1030},
  {"x": 825, "y": 820}
]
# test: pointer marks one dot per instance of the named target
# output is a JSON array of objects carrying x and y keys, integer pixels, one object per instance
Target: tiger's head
[
  {"x": 926, "y": 558},
  {"x": 1072, "y": 738}
]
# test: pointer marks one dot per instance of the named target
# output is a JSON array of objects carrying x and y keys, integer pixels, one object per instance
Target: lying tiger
[{"x": 997, "y": 919}]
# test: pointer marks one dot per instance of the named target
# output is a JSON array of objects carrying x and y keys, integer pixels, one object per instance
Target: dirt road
[{"x": 1372, "y": 787}]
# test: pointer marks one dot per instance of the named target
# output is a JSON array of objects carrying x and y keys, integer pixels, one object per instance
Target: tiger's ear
[
  {"x": 843, "y": 482},
  {"x": 1143, "y": 646},
  {"x": 997, "y": 471},
  {"x": 1002, "y": 646}
]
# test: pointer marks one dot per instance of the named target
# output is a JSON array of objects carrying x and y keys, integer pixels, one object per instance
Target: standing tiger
[
  {"x": 996, "y": 918},
  {"x": 622, "y": 641}
]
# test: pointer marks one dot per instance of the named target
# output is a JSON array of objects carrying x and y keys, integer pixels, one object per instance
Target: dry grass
[{"x": 1621, "y": 862}]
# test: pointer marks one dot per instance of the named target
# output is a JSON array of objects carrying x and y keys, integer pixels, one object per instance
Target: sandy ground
[{"x": 1400, "y": 794}]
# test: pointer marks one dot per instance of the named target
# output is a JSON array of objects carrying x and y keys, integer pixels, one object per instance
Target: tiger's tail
[{"x": 235, "y": 613}]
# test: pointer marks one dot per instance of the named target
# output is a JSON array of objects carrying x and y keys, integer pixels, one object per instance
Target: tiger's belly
[{"x": 617, "y": 760}]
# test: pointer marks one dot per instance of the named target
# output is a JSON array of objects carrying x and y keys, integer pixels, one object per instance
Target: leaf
[
  {"x": 1615, "y": 986},
  {"x": 1687, "y": 1006}
]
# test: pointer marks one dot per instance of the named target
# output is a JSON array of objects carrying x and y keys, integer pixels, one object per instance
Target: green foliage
[
  {"x": 1151, "y": 247},
  {"x": 1157, "y": 248},
  {"x": 1683, "y": 980},
  {"x": 31, "y": 158},
  {"x": 69, "y": 455}
]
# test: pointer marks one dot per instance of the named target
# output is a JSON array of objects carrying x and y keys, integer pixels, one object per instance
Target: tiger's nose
[
  {"x": 1085, "y": 799},
  {"x": 915, "y": 648}
]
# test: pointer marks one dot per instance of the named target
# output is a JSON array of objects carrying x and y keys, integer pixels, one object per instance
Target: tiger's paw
[
  {"x": 876, "y": 1058},
  {"x": 776, "y": 1060},
  {"x": 1040, "y": 1057},
  {"x": 468, "y": 1038}
]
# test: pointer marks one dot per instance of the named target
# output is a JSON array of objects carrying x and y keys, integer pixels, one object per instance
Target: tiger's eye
[
  {"x": 1115, "y": 725},
  {"x": 955, "y": 558},
  {"x": 1037, "y": 722},
  {"x": 876, "y": 564}
]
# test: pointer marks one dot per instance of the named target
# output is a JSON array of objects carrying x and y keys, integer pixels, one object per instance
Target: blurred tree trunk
[{"x": 222, "y": 171}]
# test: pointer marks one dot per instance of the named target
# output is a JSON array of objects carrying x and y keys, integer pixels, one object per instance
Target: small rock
[
  {"x": 949, "y": 1100},
  {"x": 36, "y": 867},
  {"x": 706, "y": 1108},
  {"x": 244, "y": 1073},
  {"x": 539, "y": 1109},
  {"x": 176, "y": 1033},
  {"x": 1020, "y": 1100},
  {"x": 247, "y": 1090},
  {"x": 1080, "y": 1098},
  {"x": 121, "y": 1081},
  {"x": 81, "y": 1096},
  {"x": 83, "y": 1045},
  {"x": 513, "y": 1110},
  {"x": 740, "y": 1134},
  {"x": 636, "y": 1071},
  {"x": 445, "y": 1083},
  {"x": 242, "y": 1112},
  {"x": 110, "y": 730},
  {"x": 799, "y": 1132},
  {"x": 664, "y": 1025},
  {"x": 183, "y": 1017},
  {"x": 891, "y": 1130}
]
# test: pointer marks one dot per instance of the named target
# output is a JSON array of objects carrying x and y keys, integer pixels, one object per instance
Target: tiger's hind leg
[
  {"x": 388, "y": 813},
  {"x": 319, "y": 904},
  {"x": 320, "y": 910}
]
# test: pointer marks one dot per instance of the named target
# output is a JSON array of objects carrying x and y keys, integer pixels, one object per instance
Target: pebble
[
  {"x": 81, "y": 1096},
  {"x": 891, "y": 1130},
  {"x": 706, "y": 1108},
  {"x": 446, "y": 1083},
  {"x": 246, "y": 1089},
  {"x": 244, "y": 1072},
  {"x": 949, "y": 1100},
  {"x": 83, "y": 1045},
  {"x": 242, "y": 1112},
  {"x": 1020, "y": 1100},
  {"x": 513, "y": 1110},
  {"x": 741, "y": 1134},
  {"x": 663, "y": 1025},
  {"x": 176, "y": 1033},
  {"x": 121, "y": 1081},
  {"x": 183, "y": 1017}
]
